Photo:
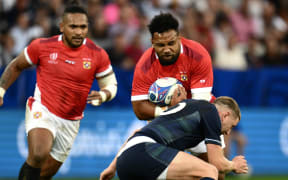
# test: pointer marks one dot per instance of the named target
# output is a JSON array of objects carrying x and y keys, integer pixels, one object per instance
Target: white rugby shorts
[{"x": 64, "y": 131}]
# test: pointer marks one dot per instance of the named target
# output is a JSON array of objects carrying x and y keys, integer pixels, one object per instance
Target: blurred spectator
[
  {"x": 151, "y": 8},
  {"x": 23, "y": 33},
  {"x": 117, "y": 53},
  {"x": 127, "y": 24},
  {"x": 260, "y": 26},
  {"x": 231, "y": 56},
  {"x": 242, "y": 22},
  {"x": 113, "y": 10},
  {"x": 6, "y": 49},
  {"x": 272, "y": 21},
  {"x": 99, "y": 32},
  {"x": 255, "y": 50},
  {"x": 273, "y": 55},
  {"x": 134, "y": 50}
]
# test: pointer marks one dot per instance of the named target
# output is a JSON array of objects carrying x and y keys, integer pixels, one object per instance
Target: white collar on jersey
[
  {"x": 181, "y": 50},
  {"x": 60, "y": 39}
]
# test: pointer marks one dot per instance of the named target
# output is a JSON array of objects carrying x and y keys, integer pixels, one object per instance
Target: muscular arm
[
  {"x": 13, "y": 70},
  {"x": 217, "y": 158},
  {"x": 144, "y": 109}
]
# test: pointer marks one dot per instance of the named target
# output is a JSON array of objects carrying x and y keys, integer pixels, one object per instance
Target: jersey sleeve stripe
[
  {"x": 213, "y": 141},
  {"x": 139, "y": 97},
  {"x": 27, "y": 56},
  {"x": 200, "y": 90},
  {"x": 109, "y": 69}
]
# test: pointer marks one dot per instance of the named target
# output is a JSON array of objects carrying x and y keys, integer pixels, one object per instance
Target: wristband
[
  {"x": 2, "y": 92},
  {"x": 159, "y": 110},
  {"x": 96, "y": 102},
  {"x": 103, "y": 96}
]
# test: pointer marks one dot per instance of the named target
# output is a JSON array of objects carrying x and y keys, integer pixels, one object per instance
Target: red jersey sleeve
[
  {"x": 202, "y": 74},
  {"x": 141, "y": 83},
  {"x": 104, "y": 65},
  {"x": 143, "y": 77},
  {"x": 32, "y": 51}
]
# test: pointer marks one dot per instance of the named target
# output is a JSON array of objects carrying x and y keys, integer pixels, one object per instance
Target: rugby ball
[{"x": 161, "y": 91}]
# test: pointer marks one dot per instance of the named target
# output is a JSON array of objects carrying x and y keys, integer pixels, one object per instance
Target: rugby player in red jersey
[
  {"x": 170, "y": 56},
  {"x": 67, "y": 65}
]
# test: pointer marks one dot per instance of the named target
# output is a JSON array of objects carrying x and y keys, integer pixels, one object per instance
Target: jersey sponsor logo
[
  {"x": 202, "y": 81},
  {"x": 53, "y": 58},
  {"x": 69, "y": 61},
  {"x": 37, "y": 115},
  {"x": 86, "y": 65}
]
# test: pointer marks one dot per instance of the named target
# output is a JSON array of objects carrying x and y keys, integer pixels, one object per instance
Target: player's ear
[{"x": 61, "y": 26}]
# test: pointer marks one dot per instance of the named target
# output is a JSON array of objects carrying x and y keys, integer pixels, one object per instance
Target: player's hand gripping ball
[{"x": 161, "y": 91}]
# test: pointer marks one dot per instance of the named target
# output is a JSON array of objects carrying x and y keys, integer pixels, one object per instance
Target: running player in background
[
  {"x": 67, "y": 65},
  {"x": 170, "y": 56},
  {"x": 157, "y": 150}
]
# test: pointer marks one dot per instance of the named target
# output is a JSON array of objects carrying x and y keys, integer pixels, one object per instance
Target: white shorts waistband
[{"x": 134, "y": 141}]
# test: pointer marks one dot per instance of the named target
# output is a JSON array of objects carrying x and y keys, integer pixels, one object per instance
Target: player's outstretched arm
[
  {"x": 110, "y": 171},
  {"x": 11, "y": 73},
  {"x": 217, "y": 158}
]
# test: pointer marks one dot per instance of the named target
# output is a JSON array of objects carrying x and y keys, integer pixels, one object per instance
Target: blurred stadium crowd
[{"x": 239, "y": 34}]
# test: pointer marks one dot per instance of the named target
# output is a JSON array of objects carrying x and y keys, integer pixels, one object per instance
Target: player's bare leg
[
  {"x": 49, "y": 168},
  {"x": 39, "y": 144},
  {"x": 185, "y": 166}
]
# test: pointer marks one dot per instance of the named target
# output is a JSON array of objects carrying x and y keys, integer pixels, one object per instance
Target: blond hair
[{"x": 230, "y": 103}]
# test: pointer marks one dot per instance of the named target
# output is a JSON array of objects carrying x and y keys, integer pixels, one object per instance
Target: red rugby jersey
[
  {"x": 193, "y": 69},
  {"x": 65, "y": 75}
]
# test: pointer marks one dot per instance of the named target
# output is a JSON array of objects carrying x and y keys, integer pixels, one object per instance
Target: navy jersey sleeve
[{"x": 211, "y": 124}]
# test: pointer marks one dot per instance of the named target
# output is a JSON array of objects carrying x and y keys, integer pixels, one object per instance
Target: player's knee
[
  {"x": 212, "y": 171},
  {"x": 38, "y": 157}
]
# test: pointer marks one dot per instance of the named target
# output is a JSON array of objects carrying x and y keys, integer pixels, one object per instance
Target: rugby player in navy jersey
[{"x": 157, "y": 151}]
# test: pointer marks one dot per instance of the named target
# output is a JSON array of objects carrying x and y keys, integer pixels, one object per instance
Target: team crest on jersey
[
  {"x": 37, "y": 115},
  {"x": 183, "y": 77},
  {"x": 86, "y": 65}
]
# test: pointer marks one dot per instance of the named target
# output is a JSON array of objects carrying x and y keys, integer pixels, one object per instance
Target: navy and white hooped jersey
[{"x": 185, "y": 125}]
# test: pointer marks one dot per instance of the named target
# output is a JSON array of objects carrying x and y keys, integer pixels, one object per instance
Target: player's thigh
[
  {"x": 185, "y": 165},
  {"x": 40, "y": 141},
  {"x": 49, "y": 168}
]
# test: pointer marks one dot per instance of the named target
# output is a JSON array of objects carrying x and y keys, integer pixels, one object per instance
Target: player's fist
[
  {"x": 240, "y": 165},
  {"x": 178, "y": 95},
  {"x": 94, "y": 98}
]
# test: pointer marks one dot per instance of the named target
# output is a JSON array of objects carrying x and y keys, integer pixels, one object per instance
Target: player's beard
[
  {"x": 173, "y": 59},
  {"x": 71, "y": 44}
]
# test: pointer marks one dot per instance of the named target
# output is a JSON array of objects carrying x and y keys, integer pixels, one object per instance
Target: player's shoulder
[
  {"x": 146, "y": 60},
  {"x": 199, "y": 104},
  {"x": 47, "y": 40},
  {"x": 92, "y": 46},
  {"x": 193, "y": 49}
]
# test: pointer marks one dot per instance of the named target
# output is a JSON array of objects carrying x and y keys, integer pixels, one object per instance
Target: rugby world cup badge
[
  {"x": 37, "y": 115},
  {"x": 86, "y": 65},
  {"x": 53, "y": 57}
]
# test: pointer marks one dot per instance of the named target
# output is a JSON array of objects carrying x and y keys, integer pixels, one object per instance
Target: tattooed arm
[{"x": 11, "y": 73}]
